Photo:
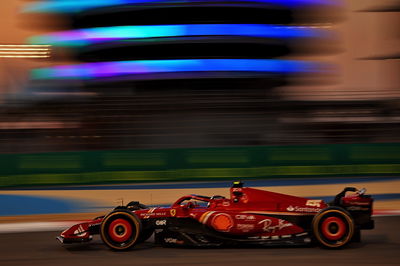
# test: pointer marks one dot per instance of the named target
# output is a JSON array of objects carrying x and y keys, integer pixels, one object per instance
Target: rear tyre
[
  {"x": 333, "y": 227},
  {"x": 120, "y": 230},
  {"x": 357, "y": 236}
]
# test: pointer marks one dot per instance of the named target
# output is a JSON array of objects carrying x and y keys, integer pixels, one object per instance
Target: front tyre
[
  {"x": 120, "y": 230},
  {"x": 333, "y": 227},
  {"x": 145, "y": 235}
]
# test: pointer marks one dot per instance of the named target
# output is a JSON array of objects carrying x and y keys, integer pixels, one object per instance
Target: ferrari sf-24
[{"x": 249, "y": 217}]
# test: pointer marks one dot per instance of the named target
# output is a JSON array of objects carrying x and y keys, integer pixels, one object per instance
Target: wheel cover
[
  {"x": 120, "y": 230},
  {"x": 333, "y": 228}
]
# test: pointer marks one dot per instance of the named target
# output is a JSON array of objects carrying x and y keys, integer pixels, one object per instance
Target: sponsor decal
[
  {"x": 268, "y": 227},
  {"x": 314, "y": 203},
  {"x": 152, "y": 214},
  {"x": 245, "y": 227},
  {"x": 161, "y": 222},
  {"x": 245, "y": 217},
  {"x": 290, "y": 208},
  {"x": 302, "y": 209},
  {"x": 222, "y": 222},
  {"x": 79, "y": 231},
  {"x": 172, "y": 212},
  {"x": 149, "y": 213},
  {"x": 307, "y": 240},
  {"x": 171, "y": 240}
]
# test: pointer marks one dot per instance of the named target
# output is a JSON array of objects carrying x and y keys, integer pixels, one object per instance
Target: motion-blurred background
[{"x": 108, "y": 91}]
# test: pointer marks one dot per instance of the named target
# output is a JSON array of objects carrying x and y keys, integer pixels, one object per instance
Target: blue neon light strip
[
  {"x": 137, "y": 67},
  {"x": 73, "y": 6},
  {"x": 103, "y": 34}
]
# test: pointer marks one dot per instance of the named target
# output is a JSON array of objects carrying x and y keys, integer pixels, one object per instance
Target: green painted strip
[
  {"x": 217, "y": 157},
  {"x": 131, "y": 159},
  {"x": 199, "y": 174},
  {"x": 49, "y": 161},
  {"x": 91, "y": 167},
  {"x": 297, "y": 154}
]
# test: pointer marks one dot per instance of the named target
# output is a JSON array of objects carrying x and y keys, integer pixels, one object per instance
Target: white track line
[
  {"x": 34, "y": 227},
  {"x": 386, "y": 213}
]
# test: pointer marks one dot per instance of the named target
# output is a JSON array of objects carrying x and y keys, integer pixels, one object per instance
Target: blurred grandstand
[{"x": 355, "y": 101}]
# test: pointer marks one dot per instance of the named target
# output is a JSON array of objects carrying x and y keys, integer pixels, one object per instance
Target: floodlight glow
[
  {"x": 24, "y": 51},
  {"x": 73, "y": 6},
  {"x": 103, "y": 34},
  {"x": 138, "y": 67}
]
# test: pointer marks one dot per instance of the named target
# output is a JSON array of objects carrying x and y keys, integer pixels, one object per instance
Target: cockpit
[{"x": 198, "y": 201}]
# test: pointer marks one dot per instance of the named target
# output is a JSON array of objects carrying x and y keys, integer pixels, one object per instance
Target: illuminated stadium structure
[
  {"x": 171, "y": 74},
  {"x": 201, "y": 36}
]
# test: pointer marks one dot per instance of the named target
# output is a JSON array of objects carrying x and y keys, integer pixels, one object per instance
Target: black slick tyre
[
  {"x": 120, "y": 230},
  {"x": 333, "y": 227},
  {"x": 357, "y": 236},
  {"x": 145, "y": 234}
]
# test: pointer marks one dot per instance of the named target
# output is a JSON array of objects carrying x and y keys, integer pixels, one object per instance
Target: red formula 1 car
[{"x": 249, "y": 217}]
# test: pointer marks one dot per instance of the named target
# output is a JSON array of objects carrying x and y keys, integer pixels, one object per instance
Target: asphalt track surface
[{"x": 380, "y": 246}]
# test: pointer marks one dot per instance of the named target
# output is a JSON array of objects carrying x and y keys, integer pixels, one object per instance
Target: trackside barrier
[{"x": 116, "y": 166}]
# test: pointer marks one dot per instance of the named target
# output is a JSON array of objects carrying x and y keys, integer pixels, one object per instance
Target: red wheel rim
[
  {"x": 120, "y": 230},
  {"x": 333, "y": 228}
]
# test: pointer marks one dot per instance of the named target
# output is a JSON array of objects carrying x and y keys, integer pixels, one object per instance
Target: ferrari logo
[{"x": 172, "y": 212}]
